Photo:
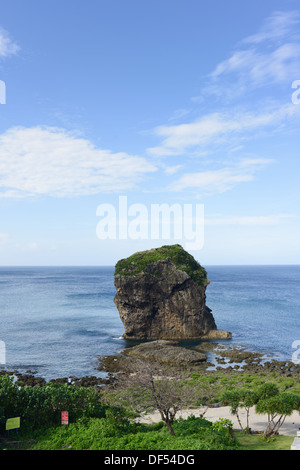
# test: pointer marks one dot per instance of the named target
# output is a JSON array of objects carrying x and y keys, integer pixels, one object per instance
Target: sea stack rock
[{"x": 161, "y": 295}]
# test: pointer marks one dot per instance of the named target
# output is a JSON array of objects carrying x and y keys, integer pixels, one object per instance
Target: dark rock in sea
[
  {"x": 87, "y": 381},
  {"x": 30, "y": 380},
  {"x": 161, "y": 295},
  {"x": 60, "y": 380},
  {"x": 167, "y": 352}
]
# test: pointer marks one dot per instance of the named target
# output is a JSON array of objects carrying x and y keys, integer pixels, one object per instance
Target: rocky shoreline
[
  {"x": 206, "y": 357},
  {"x": 226, "y": 359},
  {"x": 30, "y": 379}
]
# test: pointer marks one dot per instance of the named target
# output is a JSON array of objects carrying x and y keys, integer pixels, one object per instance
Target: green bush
[
  {"x": 104, "y": 434},
  {"x": 39, "y": 406}
]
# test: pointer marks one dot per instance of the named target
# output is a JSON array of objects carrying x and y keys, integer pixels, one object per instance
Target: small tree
[
  {"x": 150, "y": 387},
  {"x": 248, "y": 399},
  {"x": 277, "y": 407},
  {"x": 240, "y": 398},
  {"x": 232, "y": 398}
]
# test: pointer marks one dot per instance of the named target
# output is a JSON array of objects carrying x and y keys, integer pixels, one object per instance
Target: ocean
[{"x": 57, "y": 321}]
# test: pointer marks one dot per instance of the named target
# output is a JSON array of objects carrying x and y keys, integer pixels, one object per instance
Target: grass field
[{"x": 255, "y": 442}]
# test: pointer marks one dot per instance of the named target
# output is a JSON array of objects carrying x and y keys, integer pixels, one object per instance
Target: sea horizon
[{"x": 113, "y": 265}]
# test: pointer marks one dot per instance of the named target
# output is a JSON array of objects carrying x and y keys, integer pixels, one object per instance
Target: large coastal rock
[{"x": 161, "y": 295}]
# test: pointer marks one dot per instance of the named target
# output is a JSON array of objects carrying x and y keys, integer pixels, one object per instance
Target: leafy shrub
[
  {"x": 38, "y": 406},
  {"x": 103, "y": 434}
]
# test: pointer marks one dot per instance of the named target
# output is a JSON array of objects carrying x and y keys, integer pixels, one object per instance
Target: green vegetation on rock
[{"x": 138, "y": 262}]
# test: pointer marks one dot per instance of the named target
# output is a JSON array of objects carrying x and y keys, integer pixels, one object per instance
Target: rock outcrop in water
[
  {"x": 161, "y": 295},
  {"x": 166, "y": 352}
]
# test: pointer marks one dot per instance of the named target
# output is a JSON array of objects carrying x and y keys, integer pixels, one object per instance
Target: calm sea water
[{"x": 58, "y": 320}]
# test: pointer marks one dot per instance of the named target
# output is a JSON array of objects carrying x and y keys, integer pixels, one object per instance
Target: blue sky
[{"x": 164, "y": 102}]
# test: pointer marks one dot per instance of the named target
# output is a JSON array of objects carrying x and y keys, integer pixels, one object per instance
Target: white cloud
[
  {"x": 271, "y": 56},
  {"x": 220, "y": 180},
  {"x": 171, "y": 170},
  {"x": 177, "y": 138},
  {"x": 7, "y": 46},
  {"x": 216, "y": 128},
  {"x": 54, "y": 162},
  {"x": 255, "y": 68},
  {"x": 278, "y": 26}
]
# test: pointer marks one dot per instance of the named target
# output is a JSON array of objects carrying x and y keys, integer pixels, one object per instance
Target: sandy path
[{"x": 257, "y": 422}]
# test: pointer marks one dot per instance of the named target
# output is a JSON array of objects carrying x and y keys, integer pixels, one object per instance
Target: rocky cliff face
[{"x": 161, "y": 295}]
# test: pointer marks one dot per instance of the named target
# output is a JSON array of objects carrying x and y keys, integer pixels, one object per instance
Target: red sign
[{"x": 64, "y": 417}]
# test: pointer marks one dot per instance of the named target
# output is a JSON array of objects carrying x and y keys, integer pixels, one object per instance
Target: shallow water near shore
[{"x": 56, "y": 321}]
